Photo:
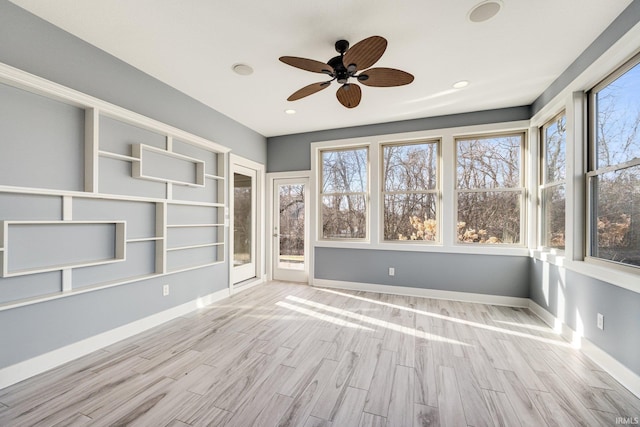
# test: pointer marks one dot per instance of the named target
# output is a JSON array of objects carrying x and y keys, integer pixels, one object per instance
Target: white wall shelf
[
  {"x": 204, "y": 245},
  {"x": 117, "y": 156},
  {"x": 145, "y": 154},
  {"x": 118, "y": 237}
]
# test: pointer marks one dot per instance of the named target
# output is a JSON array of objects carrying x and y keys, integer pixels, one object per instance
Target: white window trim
[
  {"x": 447, "y": 242},
  {"x": 316, "y": 194},
  {"x": 574, "y": 100},
  {"x": 437, "y": 191},
  {"x": 539, "y": 176},
  {"x": 524, "y": 227}
]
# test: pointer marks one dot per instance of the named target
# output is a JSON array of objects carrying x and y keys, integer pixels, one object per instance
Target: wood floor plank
[
  {"x": 473, "y": 403},
  {"x": 307, "y": 367},
  {"x": 265, "y": 357},
  {"x": 349, "y": 412},
  {"x": 370, "y": 420},
  {"x": 425, "y": 383},
  {"x": 367, "y": 363},
  {"x": 527, "y": 411},
  {"x": 449, "y": 400},
  {"x": 250, "y": 406},
  {"x": 333, "y": 395},
  {"x": 500, "y": 408},
  {"x": 273, "y": 411},
  {"x": 267, "y": 373},
  {"x": 519, "y": 365},
  {"x": 567, "y": 399},
  {"x": 402, "y": 397},
  {"x": 553, "y": 414},
  {"x": 202, "y": 412},
  {"x": 317, "y": 422},
  {"x": 425, "y": 416},
  {"x": 380, "y": 389},
  {"x": 304, "y": 402}
]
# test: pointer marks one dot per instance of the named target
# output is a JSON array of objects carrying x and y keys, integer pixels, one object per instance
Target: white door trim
[
  {"x": 260, "y": 220},
  {"x": 271, "y": 177}
]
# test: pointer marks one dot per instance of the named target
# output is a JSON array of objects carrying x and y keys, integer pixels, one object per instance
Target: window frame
[
  {"x": 592, "y": 171},
  {"x": 522, "y": 188},
  {"x": 542, "y": 185},
  {"x": 437, "y": 191},
  {"x": 366, "y": 194}
]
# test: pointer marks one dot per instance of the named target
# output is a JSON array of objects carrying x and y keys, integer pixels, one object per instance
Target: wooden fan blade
[
  {"x": 307, "y": 64},
  {"x": 385, "y": 77},
  {"x": 365, "y": 53},
  {"x": 308, "y": 90},
  {"x": 349, "y": 95}
]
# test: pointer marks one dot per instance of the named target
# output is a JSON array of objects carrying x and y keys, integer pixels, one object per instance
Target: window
[
  {"x": 344, "y": 191},
  {"x": 490, "y": 189},
  {"x": 552, "y": 182},
  {"x": 410, "y": 191},
  {"x": 614, "y": 167}
]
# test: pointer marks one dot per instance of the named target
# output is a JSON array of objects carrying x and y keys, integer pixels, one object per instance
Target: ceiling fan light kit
[{"x": 343, "y": 67}]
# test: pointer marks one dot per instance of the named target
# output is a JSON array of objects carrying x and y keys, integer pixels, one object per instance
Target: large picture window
[
  {"x": 344, "y": 193},
  {"x": 552, "y": 182},
  {"x": 490, "y": 189},
  {"x": 614, "y": 167},
  {"x": 410, "y": 191}
]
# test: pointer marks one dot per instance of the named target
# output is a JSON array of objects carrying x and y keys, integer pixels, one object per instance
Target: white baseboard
[
  {"x": 36, "y": 365},
  {"x": 243, "y": 286},
  {"x": 617, "y": 370},
  {"x": 424, "y": 293}
]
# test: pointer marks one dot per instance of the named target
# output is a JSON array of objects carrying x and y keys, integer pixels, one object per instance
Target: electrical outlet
[
  {"x": 392, "y": 271},
  {"x": 165, "y": 290},
  {"x": 600, "y": 321}
]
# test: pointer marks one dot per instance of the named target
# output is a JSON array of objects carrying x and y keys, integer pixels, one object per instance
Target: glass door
[
  {"x": 244, "y": 224},
  {"x": 290, "y": 243}
]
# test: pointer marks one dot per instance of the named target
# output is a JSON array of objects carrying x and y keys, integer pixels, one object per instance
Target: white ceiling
[{"x": 192, "y": 44}]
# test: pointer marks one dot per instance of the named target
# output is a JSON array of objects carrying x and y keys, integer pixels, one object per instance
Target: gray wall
[
  {"x": 33, "y": 45},
  {"x": 584, "y": 297},
  {"x": 293, "y": 152},
  {"x": 56, "y": 131},
  {"x": 481, "y": 274},
  {"x": 36, "y": 329}
]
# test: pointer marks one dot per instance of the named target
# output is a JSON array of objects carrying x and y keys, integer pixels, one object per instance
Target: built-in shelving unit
[{"x": 144, "y": 200}]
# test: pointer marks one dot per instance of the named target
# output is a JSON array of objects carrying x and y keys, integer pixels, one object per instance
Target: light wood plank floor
[{"x": 293, "y": 355}]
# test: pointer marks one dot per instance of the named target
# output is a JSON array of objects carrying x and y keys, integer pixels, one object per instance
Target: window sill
[{"x": 427, "y": 247}]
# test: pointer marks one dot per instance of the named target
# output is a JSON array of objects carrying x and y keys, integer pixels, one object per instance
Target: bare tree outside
[
  {"x": 291, "y": 226},
  {"x": 489, "y": 191},
  {"x": 553, "y": 188},
  {"x": 615, "y": 177},
  {"x": 410, "y": 191},
  {"x": 344, "y": 193}
]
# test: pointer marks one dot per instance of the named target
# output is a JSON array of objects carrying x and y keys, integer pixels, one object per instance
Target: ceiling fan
[{"x": 345, "y": 66}]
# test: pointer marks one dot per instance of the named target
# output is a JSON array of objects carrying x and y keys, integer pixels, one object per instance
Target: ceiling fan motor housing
[{"x": 340, "y": 71}]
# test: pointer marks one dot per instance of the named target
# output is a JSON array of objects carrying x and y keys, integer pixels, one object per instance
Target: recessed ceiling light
[
  {"x": 460, "y": 84},
  {"x": 242, "y": 69},
  {"x": 290, "y": 112},
  {"x": 484, "y": 11}
]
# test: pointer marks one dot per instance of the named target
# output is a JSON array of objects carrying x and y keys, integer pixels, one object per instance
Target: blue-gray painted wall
[
  {"x": 483, "y": 274},
  {"x": 583, "y": 298},
  {"x": 293, "y": 152},
  {"x": 31, "y": 44}
]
